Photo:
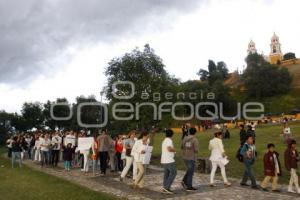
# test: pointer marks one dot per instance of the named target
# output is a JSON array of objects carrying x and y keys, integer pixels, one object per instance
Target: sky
[{"x": 60, "y": 48}]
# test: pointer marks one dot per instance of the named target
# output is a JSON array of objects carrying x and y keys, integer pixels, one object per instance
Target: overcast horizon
[{"x": 52, "y": 49}]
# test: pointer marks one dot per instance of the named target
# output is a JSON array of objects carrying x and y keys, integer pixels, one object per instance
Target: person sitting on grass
[
  {"x": 248, "y": 152},
  {"x": 272, "y": 168},
  {"x": 291, "y": 157}
]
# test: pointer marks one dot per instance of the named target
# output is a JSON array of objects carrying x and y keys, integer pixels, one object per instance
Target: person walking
[
  {"x": 168, "y": 161},
  {"x": 129, "y": 142},
  {"x": 243, "y": 134},
  {"x": 272, "y": 169},
  {"x": 248, "y": 152},
  {"x": 138, "y": 152},
  {"x": 104, "y": 144},
  {"x": 291, "y": 157},
  {"x": 119, "y": 150},
  {"x": 218, "y": 158},
  {"x": 287, "y": 134},
  {"x": 16, "y": 152},
  {"x": 189, "y": 146}
]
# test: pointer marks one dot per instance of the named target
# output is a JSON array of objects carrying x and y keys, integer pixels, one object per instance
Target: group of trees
[
  {"x": 147, "y": 72},
  {"x": 262, "y": 79}
]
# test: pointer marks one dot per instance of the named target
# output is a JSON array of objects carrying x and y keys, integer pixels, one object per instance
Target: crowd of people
[{"x": 126, "y": 155}]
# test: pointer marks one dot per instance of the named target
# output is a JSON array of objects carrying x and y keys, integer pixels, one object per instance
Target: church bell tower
[{"x": 275, "y": 54}]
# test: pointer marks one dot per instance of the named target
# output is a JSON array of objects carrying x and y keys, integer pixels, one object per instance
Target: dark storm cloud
[{"x": 34, "y": 32}]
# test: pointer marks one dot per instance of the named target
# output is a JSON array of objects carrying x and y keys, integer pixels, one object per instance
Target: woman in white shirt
[
  {"x": 286, "y": 131},
  {"x": 218, "y": 158},
  {"x": 37, "y": 148},
  {"x": 138, "y": 152}
]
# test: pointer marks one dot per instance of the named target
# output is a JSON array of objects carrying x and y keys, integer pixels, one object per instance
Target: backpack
[{"x": 239, "y": 156}]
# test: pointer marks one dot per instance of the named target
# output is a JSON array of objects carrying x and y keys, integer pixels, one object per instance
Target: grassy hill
[{"x": 294, "y": 70}]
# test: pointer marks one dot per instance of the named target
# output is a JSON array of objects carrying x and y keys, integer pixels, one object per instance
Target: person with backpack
[
  {"x": 189, "y": 146},
  {"x": 272, "y": 168},
  {"x": 248, "y": 152},
  {"x": 291, "y": 157}
]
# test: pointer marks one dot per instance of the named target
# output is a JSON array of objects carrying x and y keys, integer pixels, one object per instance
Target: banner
[
  {"x": 70, "y": 139},
  {"x": 85, "y": 143},
  {"x": 148, "y": 153}
]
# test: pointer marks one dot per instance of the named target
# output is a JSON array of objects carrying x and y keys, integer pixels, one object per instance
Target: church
[{"x": 276, "y": 56}]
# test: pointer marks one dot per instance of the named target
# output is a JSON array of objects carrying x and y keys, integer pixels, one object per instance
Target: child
[
  {"x": 272, "y": 168},
  {"x": 291, "y": 158},
  {"x": 68, "y": 152}
]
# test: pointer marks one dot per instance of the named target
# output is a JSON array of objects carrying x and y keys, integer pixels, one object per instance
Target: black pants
[
  {"x": 55, "y": 157},
  {"x": 9, "y": 152},
  {"x": 103, "y": 161},
  {"x": 120, "y": 162}
]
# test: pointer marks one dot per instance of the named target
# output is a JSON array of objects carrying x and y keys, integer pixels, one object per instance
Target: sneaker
[
  {"x": 255, "y": 187},
  {"x": 191, "y": 189},
  {"x": 212, "y": 185},
  {"x": 183, "y": 185},
  {"x": 166, "y": 191},
  {"x": 276, "y": 191},
  {"x": 227, "y": 184},
  {"x": 290, "y": 190}
]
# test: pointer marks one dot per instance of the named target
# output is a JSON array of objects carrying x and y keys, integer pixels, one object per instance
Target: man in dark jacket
[
  {"x": 249, "y": 153},
  {"x": 243, "y": 134},
  {"x": 291, "y": 158},
  {"x": 272, "y": 168}
]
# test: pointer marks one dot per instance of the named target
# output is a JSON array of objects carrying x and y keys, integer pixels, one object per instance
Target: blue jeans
[
  {"x": 45, "y": 158},
  {"x": 188, "y": 177},
  {"x": 170, "y": 173},
  {"x": 67, "y": 165},
  {"x": 14, "y": 157},
  {"x": 248, "y": 173}
]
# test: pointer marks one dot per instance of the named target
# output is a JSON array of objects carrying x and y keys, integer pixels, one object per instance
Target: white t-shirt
[
  {"x": 46, "y": 144},
  {"x": 167, "y": 156},
  {"x": 56, "y": 142}
]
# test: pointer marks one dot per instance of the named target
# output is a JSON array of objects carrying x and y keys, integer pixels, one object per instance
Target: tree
[
  {"x": 215, "y": 72},
  {"x": 147, "y": 72},
  {"x": 263, "y": 79},
  {"x": 289, "y": 56},
  {"x": 58, "y": 111},
  {"x": 33, "y": 114}
]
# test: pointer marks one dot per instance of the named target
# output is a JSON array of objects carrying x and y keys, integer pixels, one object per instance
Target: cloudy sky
[{"x": 60, "y": 48}]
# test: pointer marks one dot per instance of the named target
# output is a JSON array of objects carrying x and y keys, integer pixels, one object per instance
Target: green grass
[
  {"x": 265, "y": 134},
  {"x": 28, "y": 184}
]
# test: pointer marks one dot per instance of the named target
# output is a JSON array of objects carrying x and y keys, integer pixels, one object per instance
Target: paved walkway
[{"x": 111, "y": 184}]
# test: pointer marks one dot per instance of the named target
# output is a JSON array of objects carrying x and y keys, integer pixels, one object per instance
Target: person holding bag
[
  {"x": 129, "y": 142},
  {"x": 218, "y": 158}
]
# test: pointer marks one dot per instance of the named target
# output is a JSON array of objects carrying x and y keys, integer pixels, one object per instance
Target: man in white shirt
[
  {"x": 56, "y": 142},
  {"x": 45, "y": 146},
  {"x": 168, "y": 161}
]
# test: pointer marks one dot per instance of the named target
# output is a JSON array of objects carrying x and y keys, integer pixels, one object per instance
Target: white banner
[
  {"x": 85, "y": 143},
  {"x": 148, "y": 153},
  {"x": 70, "y": 139}
]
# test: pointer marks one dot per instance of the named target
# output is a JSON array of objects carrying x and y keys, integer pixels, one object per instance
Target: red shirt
[{"x": 119, "y": 146}]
